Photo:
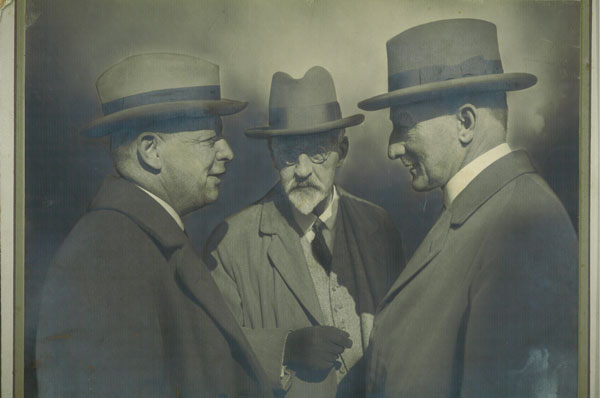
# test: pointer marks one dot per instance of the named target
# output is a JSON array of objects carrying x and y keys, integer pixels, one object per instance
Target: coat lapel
[
  {"x": 195, "y": 280},
  {"x": 359, "y": 253},
  {"x": 429, "y": 248},
  {"x": 359, "y": 230},
  {"x": 286, "y": 254}
]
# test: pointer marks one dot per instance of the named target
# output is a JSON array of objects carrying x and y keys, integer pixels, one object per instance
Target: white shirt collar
[
  {"x": 166, "y": 206},
  {"x": 460, "y": 180},
  {"x": 306, "y": 221}
]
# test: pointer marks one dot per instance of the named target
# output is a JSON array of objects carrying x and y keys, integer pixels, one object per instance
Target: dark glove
[{"x": 315, "y": 347}]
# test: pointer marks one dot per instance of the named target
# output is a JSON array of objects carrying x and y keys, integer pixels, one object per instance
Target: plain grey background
[{"x": 70, "y": 42}]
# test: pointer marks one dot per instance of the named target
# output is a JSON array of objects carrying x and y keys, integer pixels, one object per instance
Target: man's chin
[
  {"x": 419, "y": 185},
  {"x": 305, "y": 202},
  {"x": 210, "y": 197}
]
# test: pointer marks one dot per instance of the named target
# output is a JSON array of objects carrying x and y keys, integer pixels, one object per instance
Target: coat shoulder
[
  {"x": 532, "y": 199},
  {"x": 359, "y": 207},
  {"x": 236, "y": 229},
  {"x": 363, "y": 204},
  {"x": 105, "y": 239},
  {"x": 245, "y": 217},
  {"x": 527, "y": 232}
]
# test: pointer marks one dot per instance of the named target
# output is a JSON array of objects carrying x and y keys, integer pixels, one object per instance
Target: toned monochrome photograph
[{"x": 304, "y": 198}]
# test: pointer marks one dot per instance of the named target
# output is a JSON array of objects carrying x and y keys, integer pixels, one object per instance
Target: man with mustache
[
  {"x": 128, "y": 308},
  {"x": 304, "y": 268},
  {"x": 487, "y": 305}
]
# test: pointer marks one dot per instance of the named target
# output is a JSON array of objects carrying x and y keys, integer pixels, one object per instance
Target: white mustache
[{"x": 293, "y": 184}]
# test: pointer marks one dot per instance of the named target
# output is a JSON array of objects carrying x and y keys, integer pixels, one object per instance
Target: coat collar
[
  {"x": 276, "y": 214},
  {"x": 123, "y": 196},
  {"x": 487, "y": 183}
]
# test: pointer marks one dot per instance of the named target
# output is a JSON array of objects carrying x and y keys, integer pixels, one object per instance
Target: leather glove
[{"x": 315, "y": 347}]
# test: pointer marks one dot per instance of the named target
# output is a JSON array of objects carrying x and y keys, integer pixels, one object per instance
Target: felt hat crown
[
  {"x": 303, "y": 106},
  {"x": 445, "y": 58},
  {"x": 147, "y": 88}
]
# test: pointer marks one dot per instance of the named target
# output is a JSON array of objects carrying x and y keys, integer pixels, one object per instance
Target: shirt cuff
[{"x": 286, "y": 375}]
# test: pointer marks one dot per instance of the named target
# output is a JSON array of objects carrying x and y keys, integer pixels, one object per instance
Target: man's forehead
[
  {"x": 187, "y": 124},
  {"x": 197, "y": 134},
  {"x": 411, "y": 114},
  {"x": 302, "y": 141}
]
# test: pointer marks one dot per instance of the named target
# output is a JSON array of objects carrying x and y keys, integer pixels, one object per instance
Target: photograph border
[{"x": 587, "y": 308}]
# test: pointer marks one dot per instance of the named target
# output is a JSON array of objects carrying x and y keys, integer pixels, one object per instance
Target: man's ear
[
  {"x": 148, "y": 151},
  {"x": 467, "y": 120},
  {"x": 344, "y": 144}
]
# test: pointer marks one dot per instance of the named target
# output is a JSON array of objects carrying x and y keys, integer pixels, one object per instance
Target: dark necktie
[{"x": 319, "y": 247}]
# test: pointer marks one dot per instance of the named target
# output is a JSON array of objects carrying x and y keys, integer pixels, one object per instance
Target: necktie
[{"x": 319, "y": 247}]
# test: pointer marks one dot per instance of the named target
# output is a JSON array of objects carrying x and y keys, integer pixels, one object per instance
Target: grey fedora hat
[
  {"x": 303, "y": 106},
  {"x": 147, "y": 88},
  {"x": 445, "y": 58}
]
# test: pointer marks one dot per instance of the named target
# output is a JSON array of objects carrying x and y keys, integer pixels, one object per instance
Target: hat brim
[
  {"x": 146, "y": 114},
  {"x": 267, "y": 132},
  {"x": 429, "y": 91}
]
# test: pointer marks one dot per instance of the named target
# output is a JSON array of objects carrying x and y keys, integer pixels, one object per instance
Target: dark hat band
[
  {"x": 474, "y": 66},
  {"x": 161, "y": 96},
  {"x": 303, "y": 116}
]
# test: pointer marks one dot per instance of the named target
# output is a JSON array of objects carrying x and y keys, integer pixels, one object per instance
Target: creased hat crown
[
  {"x": 455, "y": 47},
  {"x": 303, "y": 106},
  {"x": 316, "y": 87}
]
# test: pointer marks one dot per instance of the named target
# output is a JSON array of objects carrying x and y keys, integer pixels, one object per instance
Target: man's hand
[{"x": 315, "y": 347}]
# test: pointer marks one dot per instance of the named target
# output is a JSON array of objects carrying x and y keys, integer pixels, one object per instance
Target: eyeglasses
[{"x": 286, "y": 157}]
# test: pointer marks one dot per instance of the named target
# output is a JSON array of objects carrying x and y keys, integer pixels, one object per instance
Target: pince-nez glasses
[{"x": 286, "y": 157}]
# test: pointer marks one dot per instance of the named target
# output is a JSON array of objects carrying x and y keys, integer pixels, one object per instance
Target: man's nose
[
  {"x": 304, "y": 166},
  {"x": 224, "y": 152},
  {"x": 396, "y": 146}
]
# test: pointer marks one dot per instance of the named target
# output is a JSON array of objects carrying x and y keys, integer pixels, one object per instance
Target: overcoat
[
  {"x": 259, "y": 264},
  {"x": 129, "y": 310},
  {"x": 487, "y": 306}
]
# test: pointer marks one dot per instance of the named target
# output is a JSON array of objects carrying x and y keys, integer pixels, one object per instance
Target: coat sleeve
[
  {"x": 98, "y": 333},
  {"x": 519, "y": 331},
  {"x": 268, "y": 344}
]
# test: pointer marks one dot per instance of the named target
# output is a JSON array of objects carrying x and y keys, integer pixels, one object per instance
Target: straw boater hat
[
  {"x": 303, "y": 106},
  {"x": 148, "y": 88},
  {"x": 445, "y": 58}
]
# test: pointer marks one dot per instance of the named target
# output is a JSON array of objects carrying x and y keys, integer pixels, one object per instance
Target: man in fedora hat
[
  {"x": 128, "y": 308},
  {"x": 487, "y": 305},
  {"x": 304, "y": 268}
]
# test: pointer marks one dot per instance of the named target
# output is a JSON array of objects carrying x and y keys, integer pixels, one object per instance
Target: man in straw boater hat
[
  {"x": 487, "y": 305},
  {"x": 305, "y": 267},
  {"x": 128, "y": 308}
]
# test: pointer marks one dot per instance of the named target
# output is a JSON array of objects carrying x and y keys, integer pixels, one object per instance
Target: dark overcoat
[
  {"x": 487, "y": 306},
  {"x": 129, "y": 310},
  {"x": 258, "y": 262}
]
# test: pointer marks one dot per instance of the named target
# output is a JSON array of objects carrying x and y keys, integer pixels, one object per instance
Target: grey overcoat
[
  {"x": 130, "y": 310},
  {"x": 487, "y": 306},
  {"x": 259, "y": 264}
]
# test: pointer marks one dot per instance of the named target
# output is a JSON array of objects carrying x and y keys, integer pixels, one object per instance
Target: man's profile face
[
  {"x": 424, "y": 142},
  {"x": 307, "y": 165},
  {"x": 193, "y": 163}
]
